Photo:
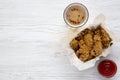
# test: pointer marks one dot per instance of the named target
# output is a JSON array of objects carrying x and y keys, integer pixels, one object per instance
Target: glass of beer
[{"x": 75, "y": 15}]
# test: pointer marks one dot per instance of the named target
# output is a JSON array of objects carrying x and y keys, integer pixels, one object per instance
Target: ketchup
[{"x": 107, "y": 68}]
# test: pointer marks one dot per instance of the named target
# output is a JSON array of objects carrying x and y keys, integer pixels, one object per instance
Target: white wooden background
[{"x": 30, "y": 39}]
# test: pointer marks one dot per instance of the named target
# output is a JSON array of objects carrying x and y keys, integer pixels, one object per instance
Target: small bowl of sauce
[
  {"x": 107, "y": 68},
  {"x": 75, "y": 15}
]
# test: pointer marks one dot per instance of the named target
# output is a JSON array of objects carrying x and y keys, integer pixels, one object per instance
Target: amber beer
[{"x": 75, "y": 15}]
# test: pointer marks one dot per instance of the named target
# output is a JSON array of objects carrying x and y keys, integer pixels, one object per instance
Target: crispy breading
[
  {"x": 74, "y": 44},
  {"x": 97, "y": 49},
  {"x": 88, "y": 38},
  {"x": 90, "y": 43},
  {"x": 83, "y": 52},
  {"x": 105, "y": 38}
]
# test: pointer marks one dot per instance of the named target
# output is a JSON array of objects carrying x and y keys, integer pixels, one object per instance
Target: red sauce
[{"x": 107, "y": 68}]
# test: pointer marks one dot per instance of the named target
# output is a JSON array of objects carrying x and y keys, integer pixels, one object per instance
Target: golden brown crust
[
  {"x": 74, "y": 45},
  {"x": 97, "y": 43},
  {"x": 88, "y": 38},
  {"x": 105, "y": 38},
  {"x": 90, "y": 43},
  {"x": 83, "y": 52}
]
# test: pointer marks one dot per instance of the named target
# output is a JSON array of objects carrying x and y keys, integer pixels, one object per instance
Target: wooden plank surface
[{"x": 30, "y": 39}]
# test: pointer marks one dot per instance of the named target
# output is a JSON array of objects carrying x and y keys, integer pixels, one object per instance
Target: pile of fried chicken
[{"x": 90, "y": 43}]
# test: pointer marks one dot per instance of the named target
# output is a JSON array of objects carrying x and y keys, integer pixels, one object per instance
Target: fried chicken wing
[
  {"x": 105, "y": 38},
  {"x": 90, "y": 43},
  {"x": 97, "y": 49},
  {"x": 88, "y": 38},
  {"x": 74, "y": 45},
  {"x": 83, "y": 52}
]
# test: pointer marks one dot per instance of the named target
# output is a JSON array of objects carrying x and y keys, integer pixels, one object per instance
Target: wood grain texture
[{"x": 30, "y": 39}]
